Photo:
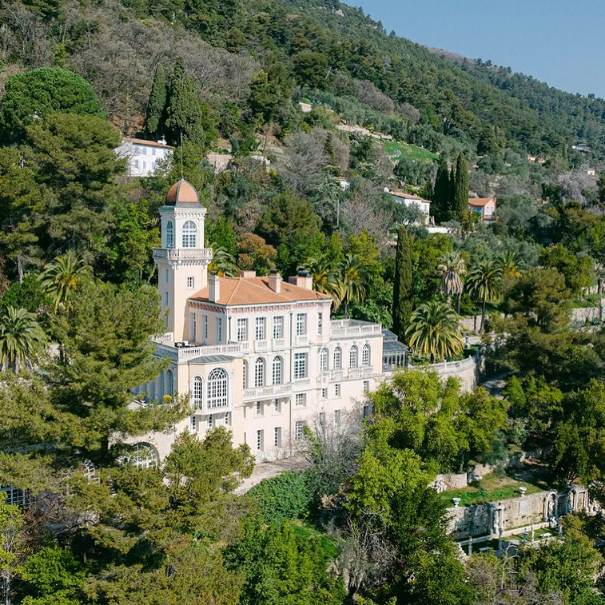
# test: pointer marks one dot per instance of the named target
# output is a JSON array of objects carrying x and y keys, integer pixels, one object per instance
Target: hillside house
[
  {"x": 413, "y": 201},
  {"x": 143, "y": 156},
  {"x": 485, "y": 207}
]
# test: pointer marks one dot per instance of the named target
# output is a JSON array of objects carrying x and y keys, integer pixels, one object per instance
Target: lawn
[
  {"x": 491, "y": 488},
  {"x": 399, "y": 149}
]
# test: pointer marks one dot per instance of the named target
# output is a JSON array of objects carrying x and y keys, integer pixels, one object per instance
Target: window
[
  {"x": 338, "y": 358},
  {"x": 190, "y": 282},
  {"x": 193, "y": 333},
  {"x": 189, "y": 234},
  {"x": 228, "y": 419},
  {"x": 277, "y": 436},
  {"x": 260, "y": 440},
  {"x": 278, "y": 371},
  {"x": 365, "y": 356},
  {"x": 301, "y": 324},
  {"x": 169, "y": 235},
  {"x": 242, "y": 330},
  {"x": 277, "y": 406},
  {"x": 323, "y": 360},
  {"x": 260, "y": 408},
  {"x": 299, "y": 430},
  {"x": 142, "y": 455},
  {"x": 366, "y": 387},
  {"x": 301, "y": 399},
  {"x": 278, "y": 327},
  {"x": 322, "y": 419},
  {"x": 169, "y": 387},
  {"x": 259, "y": 372},
  {"x": 219, "y": 330},
  {"x": 337, "y": 417},
  {"x": 324, "y": 393},
  {"x": 300, "y": 365},
  {"x": 166, "y": 298},
  {"x": 337, "y": 390},
  {"x": 245, "y": 375},
  {"x": 261, "y": 328},
  {"x": 353, "y": 357},
  {"x": 320, "y": 324},
  {"x": 166, "y": 276},
  {"x": 205, "y": 335},
  {"x": 193, "y": 424},
  {"x": 198, "y": 392},
  {"x": 366, "y": 411},
  {"x": 218, "y": 389},
  {"x": 210, "y": 422}
]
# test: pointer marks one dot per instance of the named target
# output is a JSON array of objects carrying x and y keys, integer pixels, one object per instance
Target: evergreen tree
[
  {"x": 460, "y": 193},
  {"x": 156, "y": 103},
  {"x": 402, "y": 287},
  {"x": 441, "y": 192}
]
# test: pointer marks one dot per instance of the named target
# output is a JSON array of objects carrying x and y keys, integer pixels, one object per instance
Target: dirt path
[{"x": 266, "y": 470}]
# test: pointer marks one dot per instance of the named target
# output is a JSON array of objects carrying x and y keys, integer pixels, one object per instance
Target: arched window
[
  {"x": 198, "y": 392},
  {"x": 189, "y": 234},
  {"x": 353, "y": 357},
  {"x": 169, "y": 235},
  {"x": 278, "y": 370},
  {"x": 323, "y": 360},
  {"x": 245, "y": 375},
  {"x": 365, "y": 356},
  {"x": 338, "y": 358},
  {"x": 218, "y": 389},
  {"x": 259, "y": 372},
  {"x": 141, "y": 455},
  {"x": 169, "y": 383}
]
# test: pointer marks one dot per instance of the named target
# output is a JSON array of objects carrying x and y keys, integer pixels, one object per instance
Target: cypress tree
[
  {"x": 402, "y": 287},
  {"x": 441, "y": 192},
  {"x": 156, "y": 103},
  {"x": 460, "y": 198}
]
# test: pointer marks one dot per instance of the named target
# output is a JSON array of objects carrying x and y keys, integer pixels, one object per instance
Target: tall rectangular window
[
  {"x": 337, "y": 390},
  {"x": 219, "y": 330},
  {"x": 210, "y": 421},
  {"x": 260, "y": 440},
  {"x": 300, "y": 365},
  {"x": 366, "y": 387},
  {"x": 260, "y": 409},
  {"x": 322, "y": 419},
  {"x": 242, "y": 330},
  {"x": 301, "y": 399},
  {"x": 227, "y": 418},
  {"x": 193, "y": 424},
  {"x": 301, "y": 324},
  {"x": 277, "y": 436},
  {"x": 299, "y": 430},
  {"x": 193, "y": 334},
  {"x": 205, "y": 328},
  {"x": 261, "y": 328},
  {"x": 278, "y": 327},
  {"x": 324, "y": 393},
  {"x": 277, "y": 406},
  {"x": 320, "y": 324},
  {"x": 337, "y": 417},
  {"x": 166, "y": 298},
  {"x": 190, "y": 282}
]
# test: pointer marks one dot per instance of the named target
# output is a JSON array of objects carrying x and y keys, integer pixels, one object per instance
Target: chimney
[
  {"x": 275, "y": 281},
  {"x": 214, "y": 287},
  {"x": 247, "y": 274},
  {"x": 302, "y": 279}
]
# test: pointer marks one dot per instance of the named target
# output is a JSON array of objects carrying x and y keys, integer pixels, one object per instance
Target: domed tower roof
[{"x": 181, "y": 193}]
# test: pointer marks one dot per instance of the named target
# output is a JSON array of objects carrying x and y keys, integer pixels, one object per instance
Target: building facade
[
  {"x": 485, "y": 207},
  {"x": 143, "y": 156},
  {"x": 259, "y": 355}
]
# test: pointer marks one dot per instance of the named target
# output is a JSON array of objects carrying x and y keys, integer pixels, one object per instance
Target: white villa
[
  {"x": 142, "y": 155},
  {"x": 259, "y": 355}
]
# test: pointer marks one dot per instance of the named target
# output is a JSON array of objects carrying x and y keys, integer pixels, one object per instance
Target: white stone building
[
  {"x": 143, "y": 156},
  {"x": 422, "y": 206},
  {"x": 259, "y": 355}
]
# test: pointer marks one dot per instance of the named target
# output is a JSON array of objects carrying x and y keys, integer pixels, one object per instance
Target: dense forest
[{"x": 94, "y": 524}]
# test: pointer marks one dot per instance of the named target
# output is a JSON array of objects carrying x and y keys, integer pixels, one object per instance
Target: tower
[{"x": 182, "y": 261}]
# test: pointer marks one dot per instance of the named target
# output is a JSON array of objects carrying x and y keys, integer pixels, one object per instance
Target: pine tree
[
  {"x": 441, "y": 192},
  {"x": 460, "y": 197},
  {"x": 402, "y": 287},
  {"x": 156, "y": 103}
]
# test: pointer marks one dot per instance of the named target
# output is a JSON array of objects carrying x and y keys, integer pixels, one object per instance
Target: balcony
[
  {"x": 183, "y": 254},
  {"x": 261, "y": 346},
  {"x": 352, "y": 328},
  {"x": 267, "y": 392},
  {"x": 356, "y": 373},
  {"x": 182, "y": 354}
]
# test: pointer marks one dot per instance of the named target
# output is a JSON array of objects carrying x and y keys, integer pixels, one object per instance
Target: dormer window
[
  {"x": 169, "y": 235},
  {"x": 189, "y": 234}
]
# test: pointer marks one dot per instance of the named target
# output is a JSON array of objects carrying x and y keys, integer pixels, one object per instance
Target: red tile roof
[
  {"x": 182, "y": 192},
  {"x": 481, "y": 201},
  {"x": 256, "y": 290}
]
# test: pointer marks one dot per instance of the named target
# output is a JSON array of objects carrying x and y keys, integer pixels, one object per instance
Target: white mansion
[{"x": 259, "y": 355}]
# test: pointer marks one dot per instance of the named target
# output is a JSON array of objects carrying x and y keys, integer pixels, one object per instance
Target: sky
[{"x": 561, "y": 42}]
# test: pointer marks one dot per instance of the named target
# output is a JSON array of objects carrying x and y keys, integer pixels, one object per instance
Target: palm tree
[
  {"x": 452, "y": 269},
  {"x": 21, "y": 338},
  {"x": 509, "y": 262},
  {"x": 484, "y": 280},
  {"x": 223, "y": 262},
  {"x": 61, "y": 278},
  {"x": 434, "y": 331},
  {"x": 350, "y": 284},
  {"x": 323, "y": 272}
]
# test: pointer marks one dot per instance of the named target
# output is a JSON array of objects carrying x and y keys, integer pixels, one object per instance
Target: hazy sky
[{"x": 561, "y": 42}]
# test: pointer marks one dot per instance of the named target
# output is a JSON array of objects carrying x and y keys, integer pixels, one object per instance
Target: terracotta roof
[
  {"x": 256, "y": 290},
  {"x": 481, "y": 201},
  {"x": 147, "y": 143},
  {"x": 182, "y": 192}
]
